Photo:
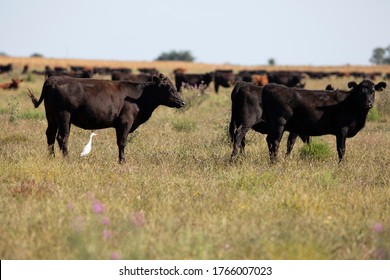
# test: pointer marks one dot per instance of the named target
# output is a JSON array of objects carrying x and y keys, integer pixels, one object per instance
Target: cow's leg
[
  {"x": 216, "y": 86},
  {"x": 340, "y": 140},
  {"x": 292, "y": 137},
  {"x": 273, "y": 140},
  {"x": 51, "y": 132},
  {"x": 63, "y": 132},
  {"x": 239, "y": 141},
  {"x": 121, "y": 138}
]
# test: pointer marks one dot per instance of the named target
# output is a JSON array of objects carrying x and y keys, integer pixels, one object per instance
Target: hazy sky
[{"x": 245, "y": 32}]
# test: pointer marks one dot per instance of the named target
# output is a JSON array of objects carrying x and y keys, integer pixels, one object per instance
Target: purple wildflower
[
  {"x": 97, "y": 206},
  {"x": 115, "y": 256}
]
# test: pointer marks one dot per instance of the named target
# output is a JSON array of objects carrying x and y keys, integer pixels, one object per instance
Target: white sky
[{"x": 245, "y": 32}]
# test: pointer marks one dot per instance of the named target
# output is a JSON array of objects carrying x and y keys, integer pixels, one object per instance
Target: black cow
[
  {"x": 287, "y": 78},
  {"x": 137, "y": 78},
  {"x": 224, "y": 78},
  {"x": 314, "y": 113},
  {"x": 98, "y": 104},
  {"x": 147, "y": 70},
  {"x": 79, "y": 74},
  {"x": 6, "y": 68},
  {"x": 247, "y": 111},
  {"x": 194, "y": 80}
]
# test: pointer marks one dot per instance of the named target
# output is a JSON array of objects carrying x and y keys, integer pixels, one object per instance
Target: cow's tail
[
  {"x": 34, "y": 99},
  {"x": 232, "y": 126}
]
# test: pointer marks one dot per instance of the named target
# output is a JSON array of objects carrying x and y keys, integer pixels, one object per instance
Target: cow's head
[
  {"x": 365, "y": 92},
  {"x": 167, "y": 93}
]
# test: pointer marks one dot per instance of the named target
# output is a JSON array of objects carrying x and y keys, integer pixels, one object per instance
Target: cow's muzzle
[{"x": 181, "y": 104}]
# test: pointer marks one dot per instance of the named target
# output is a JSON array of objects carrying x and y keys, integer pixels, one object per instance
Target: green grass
[
  {"x": 316, "y": 150},
  {"x": 178, "y": 197}
]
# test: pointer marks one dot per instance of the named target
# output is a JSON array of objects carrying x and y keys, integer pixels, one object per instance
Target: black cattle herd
[{"x": 267, "y": 102}]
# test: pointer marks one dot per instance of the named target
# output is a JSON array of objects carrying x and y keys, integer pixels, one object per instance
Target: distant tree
[
  {"x": 36, "y": 55},
  {"x": 271, "y": 62},
  {"x": 176, "y": 56},
  {"x": 380, "y": 56}
]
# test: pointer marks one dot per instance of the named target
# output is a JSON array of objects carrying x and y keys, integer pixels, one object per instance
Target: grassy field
[{"x": 177, "y": 197}]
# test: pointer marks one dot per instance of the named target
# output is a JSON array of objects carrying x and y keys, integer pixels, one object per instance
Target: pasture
[{"x": 177, "y": 196}]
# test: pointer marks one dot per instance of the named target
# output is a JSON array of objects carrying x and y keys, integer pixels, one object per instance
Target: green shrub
[
  {"x": 315, "y": 150},
  {"x": 32, "y": 115}
]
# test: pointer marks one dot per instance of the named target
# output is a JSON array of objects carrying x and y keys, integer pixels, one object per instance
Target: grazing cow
[
  {"x": 137, "y": 78},
  {"x": 224, "y": 78},
  {"x": 247, "y": 113},
  {"x": 14, "y": 84},
  {"x": 316, "y": 112},
  {"x": 194, "y": 80},
  {"x": 97, "y": 104}
]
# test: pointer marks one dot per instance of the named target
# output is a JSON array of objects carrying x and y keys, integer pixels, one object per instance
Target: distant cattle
[
  {"x": 138, "y": 78},
  {"x": 179, "y": 70},
  {"x": 97, "y": 104},
  {"x": 260, "y": 79},
  {"x": 146, "y": 70},
  {"x": 224, "y": 78},
  {"x": 287, "y": 78},
  {"x": 193, "y": 80},
  {"x": 14, "y": 84},
  {"x": 25, "y": 69},
  {"x": 79, "y": 74},
  {"x": 246, "y": 114},
  {"x": 6, "y": 68},
  {"x": 316, "y": 112}
]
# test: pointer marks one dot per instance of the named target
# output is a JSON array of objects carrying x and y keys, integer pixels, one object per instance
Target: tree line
[{"x": 380, "y": 55}]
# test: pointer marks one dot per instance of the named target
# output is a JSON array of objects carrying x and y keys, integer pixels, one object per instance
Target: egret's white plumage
[{"x": 87, "y": 149}]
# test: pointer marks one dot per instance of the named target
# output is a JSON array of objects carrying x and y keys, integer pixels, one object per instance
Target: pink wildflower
[
  {"x": 115, "y": 256},
  {"x": 97, "y": 207}
]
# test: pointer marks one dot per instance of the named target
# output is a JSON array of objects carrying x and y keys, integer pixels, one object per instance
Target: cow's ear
[
  {"x": 156, "y": 79},
  {"x": 352, "y": 84},
  {"x": 380, "y": 86}
]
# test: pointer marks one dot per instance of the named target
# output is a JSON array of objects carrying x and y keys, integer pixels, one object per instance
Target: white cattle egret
[{"x": 87, "y": 149}]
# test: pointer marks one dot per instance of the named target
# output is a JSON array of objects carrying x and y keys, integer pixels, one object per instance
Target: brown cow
[{"x": 14, "y": 84}]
